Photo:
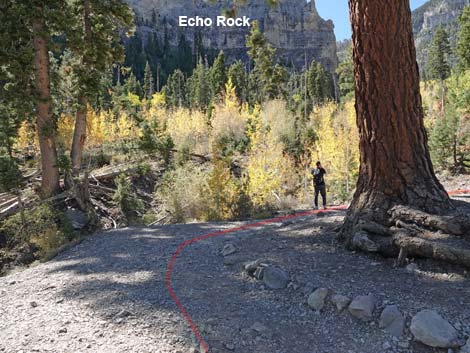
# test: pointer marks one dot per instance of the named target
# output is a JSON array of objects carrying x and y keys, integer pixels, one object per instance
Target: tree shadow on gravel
[{"x": 125, "y": 270}]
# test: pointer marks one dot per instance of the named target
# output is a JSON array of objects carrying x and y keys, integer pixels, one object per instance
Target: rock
[
  {"x": 251, "y": 267},
  {"x": 63, "y": 330},
  {"x": 316, "y": 300},
  {"x": 362, "y": 307},
  {"x": 392, "y": 321},
  {"x": 78, "y": 219},
  {"x": 259, "y": 327},
  {"x": 386, "y": 346},
  {"x": 259, "y": 273},
  {"x": 229, "y": 249},
  {"x": 275, "y": 278},
  {"x": 403, "y": 344},
  {"x": 229, "y": 346},
  {"x": 411, "y": 267},
  {"x": 33, "y": 304},
  {"x": 466, "y": 348},
  {"x": 430, "y": 328},
  {"x": 340, "y": 301},
  {"x": 122, "y": 314},
  {"x": 291, "y": 38}
]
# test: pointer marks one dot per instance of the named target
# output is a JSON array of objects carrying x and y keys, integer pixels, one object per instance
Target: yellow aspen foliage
[
  {"x": 338, "y": 148},
  {"x": 158, "y": 99},
  {"x": 27, "y": 138},
  {"x": 270, "y": 173},
  {"x": 228, "y": 119},
  {"x": 189, "y": 128},
  {"x": 65, "y": 127}
]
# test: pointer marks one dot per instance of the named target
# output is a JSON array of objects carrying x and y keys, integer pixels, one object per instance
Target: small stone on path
[
  {"x": 316, "y": 300},
  {"x": 362, "y": 307},
  {"x": 259, "y": 327},
  {"x": 340, "y": 301},
  {"x": 392, "y": 321},
  {"x": 275, "y": 278},
  {"x": 229, "y": 249}
]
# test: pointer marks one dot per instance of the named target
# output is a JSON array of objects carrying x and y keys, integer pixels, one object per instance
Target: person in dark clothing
[{"x": 319, "y": 184}]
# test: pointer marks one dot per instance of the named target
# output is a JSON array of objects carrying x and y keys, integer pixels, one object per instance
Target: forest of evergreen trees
[{"x": 80, "y": 92}]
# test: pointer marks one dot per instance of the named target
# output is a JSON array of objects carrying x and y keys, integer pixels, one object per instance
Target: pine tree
[
  {"x": 272, "y": 78},
  {"x": 199, "y": 88},
  {"x": 237, "y": 74},
  {"x": 463, "y": 44},
  {"x": 26, "y": 29},
  {"x": 133, "y": 86},
  {"x": 438, "y": 62},
  {"x": 94, "y": 37},
  {"x": 318, "y": 83},
  {"x": 345, "y": 72},
  {"x": 218, "y": 74},
  {"x": 149, "y": 85},
  {"x": 175, "y": 90}
]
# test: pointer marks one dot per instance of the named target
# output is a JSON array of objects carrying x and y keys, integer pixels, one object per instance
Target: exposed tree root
[
  {"x": 410, "y": 233},
  {"x": 448, "y": 224}
]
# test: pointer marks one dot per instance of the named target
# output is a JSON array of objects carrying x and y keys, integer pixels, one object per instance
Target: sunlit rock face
[
  {"x": 428, "y": 17},
  {"x": 294, "y": 27}
]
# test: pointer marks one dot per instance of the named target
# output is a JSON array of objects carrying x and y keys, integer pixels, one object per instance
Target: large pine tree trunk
[
  {"x": 45, "y": 123},
  {"x": 79, "y": 135},
  {"x": 395, "y": 167}
]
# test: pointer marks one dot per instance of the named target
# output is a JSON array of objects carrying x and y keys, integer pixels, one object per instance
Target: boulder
[
  {"x": 362, "y": 307},
  {"x": 316, "y": 300},
  {"x": 392, "y": 321},
  {"x": 275, "y": 278},
  {"x": 433, "y": 330}
]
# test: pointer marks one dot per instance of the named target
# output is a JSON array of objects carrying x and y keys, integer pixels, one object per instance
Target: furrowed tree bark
[
  {"x": 79, "y": 134},
  {"x": 45, "y": 123},
  {"x": 395, "y": 166}
]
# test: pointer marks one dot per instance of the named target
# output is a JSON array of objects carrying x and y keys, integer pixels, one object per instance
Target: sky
[{"x": 337, "y": 10}]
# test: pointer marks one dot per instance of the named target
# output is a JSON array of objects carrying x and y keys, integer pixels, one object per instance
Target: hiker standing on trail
[{"x": 319, "y": 184}]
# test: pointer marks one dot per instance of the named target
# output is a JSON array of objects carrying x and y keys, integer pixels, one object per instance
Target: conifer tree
[
  {"x": 270, "y": 77},
  {"x": 237, "y": 74},
  {"x": 438, "y": 63},
  {"x": 26, "y": 29},
  {"x": 175, "y": 89},
  {"x": 345, "y": 72},
  {"x": 199, "y": 88},
  {"x": 94, "y": 37},
  {"x": 149, "y": 85},
  {"x": 463, "y": 44},
  {"x": 318, "y": 83},
  {"x": 218, "y": 74}
]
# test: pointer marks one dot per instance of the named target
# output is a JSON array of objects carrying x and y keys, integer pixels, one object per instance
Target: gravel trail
[{"x": 108, "y": 294}]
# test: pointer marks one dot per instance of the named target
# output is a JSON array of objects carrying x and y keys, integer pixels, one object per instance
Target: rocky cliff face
[
  {"x": 429, "y": 16},
  {"x": 294, "y": 27}
]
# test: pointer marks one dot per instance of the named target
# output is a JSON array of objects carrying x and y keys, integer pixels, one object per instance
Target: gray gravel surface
[{"x": 108, "y": 294}]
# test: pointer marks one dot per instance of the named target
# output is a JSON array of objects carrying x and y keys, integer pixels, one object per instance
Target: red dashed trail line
[{"x": 186, "y": 243}]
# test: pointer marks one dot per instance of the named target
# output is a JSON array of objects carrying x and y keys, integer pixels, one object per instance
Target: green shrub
[
  {"x": 45, "y": 227},
  {"x": 126, "y": 199}
]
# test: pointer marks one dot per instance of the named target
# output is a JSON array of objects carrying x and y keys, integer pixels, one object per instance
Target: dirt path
[{"x": 108, "y": 294}]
